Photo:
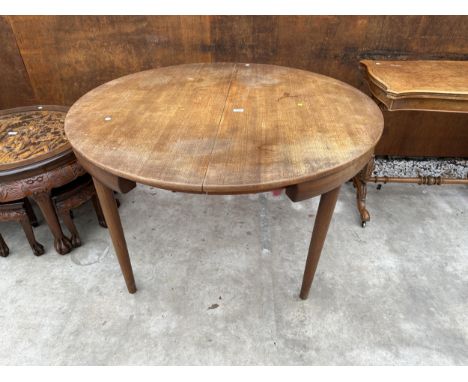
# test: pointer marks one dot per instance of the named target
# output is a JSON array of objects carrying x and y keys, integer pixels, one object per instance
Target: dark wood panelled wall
[{"x": 56, "y": 59}]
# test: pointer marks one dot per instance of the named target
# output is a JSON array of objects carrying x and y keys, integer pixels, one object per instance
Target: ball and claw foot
[
  {"x": 76, "y": 241},
  {"x": 38, "y": 249},
  {"x": 63, "y": 245}
]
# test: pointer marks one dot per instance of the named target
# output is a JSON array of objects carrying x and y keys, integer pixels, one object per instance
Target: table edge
[{"x": 394, "y": 94}]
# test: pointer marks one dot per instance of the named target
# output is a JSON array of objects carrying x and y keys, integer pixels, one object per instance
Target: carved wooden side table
[
  {"x": 440, "y": 86},
  {"x": 224, "y": 129},
  {"x": 35, "y": 157}
]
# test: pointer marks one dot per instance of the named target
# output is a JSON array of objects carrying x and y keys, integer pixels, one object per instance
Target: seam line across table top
[{"x": 233, "y": 73}]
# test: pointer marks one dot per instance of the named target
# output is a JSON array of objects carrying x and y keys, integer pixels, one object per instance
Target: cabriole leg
[
  {"x": 67, "y": 219},
  {"x": 36, "y": 247},
  {"x": 61, "y": 243},
  {"x": 360, "y": 183}
]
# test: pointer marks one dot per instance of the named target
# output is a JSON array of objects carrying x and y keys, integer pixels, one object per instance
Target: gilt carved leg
[
  {"x": 4, "y": 250},
  {"x": 360, "y": 183},
  {"x": 36, "y": 247},
  {"x": 62, "y": 244}
]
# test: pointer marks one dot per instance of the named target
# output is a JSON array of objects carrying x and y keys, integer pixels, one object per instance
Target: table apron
[
  {"x": 114, "y": 182},
  {"x": 31, "y": 185},
  {"x": 316, "y": 187}
]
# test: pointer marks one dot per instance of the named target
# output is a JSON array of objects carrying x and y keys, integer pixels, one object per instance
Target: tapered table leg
[
  {"x": 62, "y": 244},
  {"x": 111, "y": 214},
  {"x": 322, "y": 222}
]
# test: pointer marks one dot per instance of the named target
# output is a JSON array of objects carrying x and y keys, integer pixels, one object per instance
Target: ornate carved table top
[
  {"x": 224, "y": 129},
  {"x": 30, "y": 135},
  {"x": 419, "y": 85}
]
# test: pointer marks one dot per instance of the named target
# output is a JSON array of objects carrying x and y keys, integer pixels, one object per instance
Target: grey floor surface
[{"x": 219, "y": 277}]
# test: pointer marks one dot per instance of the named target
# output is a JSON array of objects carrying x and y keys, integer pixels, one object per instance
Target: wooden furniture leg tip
[
  {"x": 63, "y": 245},
  {"x": 75, "y": 240},
  {"x": 38, "y": 249},
  {"x": 4, "y": 250},
  {"x": 364, "y": 219}
]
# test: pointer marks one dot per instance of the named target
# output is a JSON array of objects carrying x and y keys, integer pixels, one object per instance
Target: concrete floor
[{"x": 219, "y": 277}]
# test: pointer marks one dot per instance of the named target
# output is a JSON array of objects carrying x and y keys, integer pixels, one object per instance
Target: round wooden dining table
[{"x": 222, "y": 129}]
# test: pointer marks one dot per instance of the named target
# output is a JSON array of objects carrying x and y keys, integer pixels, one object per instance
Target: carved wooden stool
[
  {"x": 35, "y": 157},
  {"x": 20, "y": 211},
  {"x": 72, "y": 196},
  {"x": 424, "y": 85}
]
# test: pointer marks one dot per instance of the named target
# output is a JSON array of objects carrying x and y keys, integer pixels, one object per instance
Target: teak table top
[
  {"x": 223, "y": 128},
  {"x": 31, "y": 134},
  {"x": 419, "y": 85}
]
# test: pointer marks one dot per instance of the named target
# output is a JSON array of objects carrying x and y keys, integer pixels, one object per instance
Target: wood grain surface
[
  {"x": 15, "y": 86},
  {"x": 223, "y": 128},
  {"x": 438, "y": 79},
  {"x": 57, "y": 59},
  {"x": 66, "y": 56}
]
